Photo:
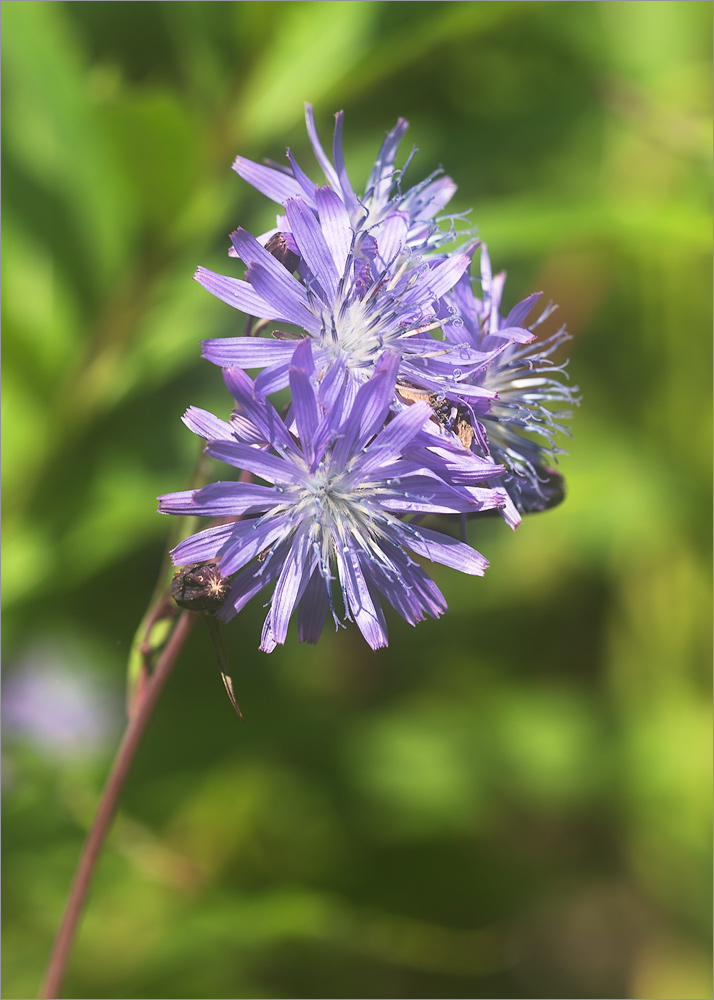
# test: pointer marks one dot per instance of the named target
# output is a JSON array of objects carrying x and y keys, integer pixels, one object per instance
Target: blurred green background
[{"x": 513, "y": 801}]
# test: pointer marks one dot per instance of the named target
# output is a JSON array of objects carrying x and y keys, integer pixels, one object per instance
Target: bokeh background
[{"x": 513, "y": 801}]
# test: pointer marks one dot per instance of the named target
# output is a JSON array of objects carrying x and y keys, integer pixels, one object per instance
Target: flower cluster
[{"x": 410, "y": 396}]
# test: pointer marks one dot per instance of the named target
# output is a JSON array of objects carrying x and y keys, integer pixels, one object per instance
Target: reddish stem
[{"x": 107, "y": 806}]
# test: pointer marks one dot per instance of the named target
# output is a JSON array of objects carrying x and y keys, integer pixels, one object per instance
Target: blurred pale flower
[{"x": 56, "y": 705}]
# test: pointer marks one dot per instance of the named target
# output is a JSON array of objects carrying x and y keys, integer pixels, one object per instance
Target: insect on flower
[{"x": 344, "y": 477}]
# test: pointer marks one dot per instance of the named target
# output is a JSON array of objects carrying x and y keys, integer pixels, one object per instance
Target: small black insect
[
  {"x": 444, "y": 410},
  {"x": 277, "y": 245},
  {"x": 200, "y": 588},
  {"x": 453, "y": 417}
]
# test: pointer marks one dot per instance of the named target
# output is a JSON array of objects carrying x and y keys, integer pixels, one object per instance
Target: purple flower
[
  {"x": 518, "y": 427},
  {"x": 345, "y": 492},
  {"x": 356, "y": 296},
  {"x": 54, "y": 702},
  {"x": 358, "y": 275},
  {"x": 383, "y": 195}
]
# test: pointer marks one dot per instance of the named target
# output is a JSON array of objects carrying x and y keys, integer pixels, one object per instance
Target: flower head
[
  {"x": 358, "y": 275},
  {"x": 519, "y": 426},
  {"x": 356, "y": 295},
  {"x": 344, "y": 479},
  {"x": 383, "y": 195}
]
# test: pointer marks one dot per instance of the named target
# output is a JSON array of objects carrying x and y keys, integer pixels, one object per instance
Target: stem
[
  {"x": 107, "y": 806},
  {"x": 153, "y": 629}
]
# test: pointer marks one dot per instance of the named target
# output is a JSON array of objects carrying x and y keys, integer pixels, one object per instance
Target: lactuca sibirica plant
[{"x": 411, "y": 394}]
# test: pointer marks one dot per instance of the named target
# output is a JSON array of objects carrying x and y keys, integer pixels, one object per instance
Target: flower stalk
[{"x": 136, "y": 727}]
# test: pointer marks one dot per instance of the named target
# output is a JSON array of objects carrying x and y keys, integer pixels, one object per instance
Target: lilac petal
[
  {"x": 391, "y": 236},
  {"x": 382, "y": 175},
  {"x": 368, "y": 246},
  {"x": 413, "y": 592},
  {"x": 322, "y": 159},
  {"x": 338, "y": 156},
  {"x": 456, "y": 364},
  {"x": 519, "y": 312},
  {"x": 389, "y": 443},
  {"x": 284, "y": 305},
  {"x": 375, "y": 402},
  {"x": 388, "y": 149},
  {"x": 202, "y": 546},
  {"x": 423, "y": 494},
  {"x": 325, "y": 432},
  {"x": 461, "y": 467},
  {"x": 245, "y": 431},
  {"x": 246, "y": 352},
  {"x": 453, "y": 472},
  {"x": 438, "y": 379},
  {"x": 497, "y": 284},
  {"x": 304, "y": 409},
  {"x": 238, "y": 294},
  {"x": 336, "y": 226},
  {"x": 492, "y": 290},
  {"x": 251, "y": 252},
  {"x": 318, "y": 296},
  {"x": 439, "y": 279},
  {"x": 486, "y": 279},
  {"x": 339, "y": 421},
  {"x": 307, "y": 187},
  {"x": 303, "y": 357},
  {"x": 333, "y": 384},
  {"x": 509, "y": 513},
  {"x": 446, "y": 550},
  {"x": 220, "y": 499},
  {"x": 371, "y": 406},
  {"x": 249, "y": 539},
  {"x": 260, "y": 463},
  {"x": 313, "y": 247},
  {"x": 423, "y": 346},
  {"x": 260, "y": 412},
  {"x": 268, "y": 642},
  {"x": 289, "y": 588},
  {"x": 454, "y": 329},
  {"x": 421, "y": 377},
  {"x": 433, "y": 197},
  {"x": 487, "y": 498},
  {"x": 466, "y": 305},
  {"x": 403, "y": 598},
  {"x": 368, "y": 411},
  {"x": 362, "y": 607},
  {"x": 249, "y": 582},
  {"x": 342, "y": 401},
  {"x": 272, "y": 183},
  {"x": 313, "y": 608},
  {"x": 515, "y": 333},
  {"x": 204, "y": 424},
  {"x": 272, "y": 379}
]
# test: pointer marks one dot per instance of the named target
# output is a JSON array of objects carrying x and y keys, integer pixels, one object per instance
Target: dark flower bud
[
  {"x": 200, "y": 588},
  {"x": 279, "y": 247},
  {"x": 547, "y": 492}
]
